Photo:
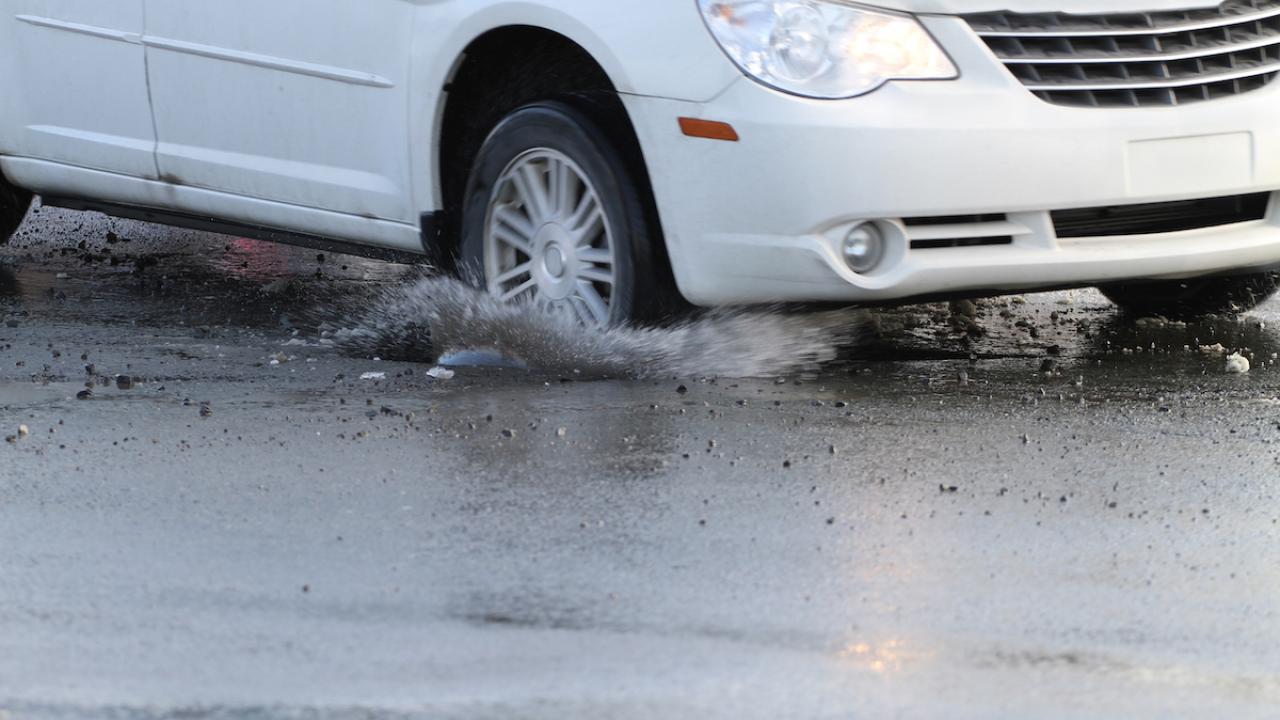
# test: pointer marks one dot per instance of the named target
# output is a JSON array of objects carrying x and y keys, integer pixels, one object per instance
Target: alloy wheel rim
[{"x": 548, "y": 240}]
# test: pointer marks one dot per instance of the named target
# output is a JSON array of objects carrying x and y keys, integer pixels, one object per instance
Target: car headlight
[{"x": 825, "y": 49}]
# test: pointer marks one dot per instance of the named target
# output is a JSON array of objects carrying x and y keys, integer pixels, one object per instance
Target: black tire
[
  {"x": 1198, "y": 297},
  {"x": 14, "y": 203},
  {"x": 639, "y": 293}
]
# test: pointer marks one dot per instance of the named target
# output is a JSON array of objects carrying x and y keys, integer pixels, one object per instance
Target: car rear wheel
[
  {"x": 14, "y": 203},
  {"x": 1227, "y": 295},
  {"x": 554, "y": 218}
]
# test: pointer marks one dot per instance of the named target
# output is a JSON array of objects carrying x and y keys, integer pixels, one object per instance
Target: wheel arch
[
  {"x": 489, "y": 78},
  {"x": 643, "y": 48}
]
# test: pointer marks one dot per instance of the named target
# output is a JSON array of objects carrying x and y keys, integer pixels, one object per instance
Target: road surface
[{"x": 1066, "y": 515}]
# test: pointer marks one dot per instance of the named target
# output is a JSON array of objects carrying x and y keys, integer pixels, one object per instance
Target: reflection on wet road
[{"x": 1027, "y": 507}]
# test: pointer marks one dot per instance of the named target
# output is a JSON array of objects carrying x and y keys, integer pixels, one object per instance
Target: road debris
[
  {"x": 440, "y": 373},
  {"x": 1238, "y": 364},
  {"x": 1158, "y": 322}
]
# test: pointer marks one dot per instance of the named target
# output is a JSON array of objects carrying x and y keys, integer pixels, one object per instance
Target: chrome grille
[{"x": 1139, "y": 59}]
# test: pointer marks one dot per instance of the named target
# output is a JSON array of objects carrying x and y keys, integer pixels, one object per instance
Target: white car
[{"x": 609, "y": 157}]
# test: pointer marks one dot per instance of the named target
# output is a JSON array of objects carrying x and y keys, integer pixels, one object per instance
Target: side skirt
[{"x": 205, "y": 223}]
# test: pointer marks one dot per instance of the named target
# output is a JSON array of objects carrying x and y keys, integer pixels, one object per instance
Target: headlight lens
[{"x": 824, "y": 48}]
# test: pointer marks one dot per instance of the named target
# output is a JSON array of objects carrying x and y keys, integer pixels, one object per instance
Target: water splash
[{"x": 430, "y": 317}]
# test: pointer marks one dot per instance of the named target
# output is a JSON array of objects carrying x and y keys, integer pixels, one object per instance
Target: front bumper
[{"x": 761, "y": 220}]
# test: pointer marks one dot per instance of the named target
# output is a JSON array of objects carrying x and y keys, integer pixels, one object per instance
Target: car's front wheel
[
  {"x": 1231, "y": 294},
  {"x": 554, "y": 217},
  {"x": 14, "y": 203}
]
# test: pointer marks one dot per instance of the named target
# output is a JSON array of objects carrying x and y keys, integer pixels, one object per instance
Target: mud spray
[{"x": 431, "y": 317}]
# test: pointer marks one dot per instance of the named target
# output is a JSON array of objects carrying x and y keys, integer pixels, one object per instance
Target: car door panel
[
  {"x": 77, "y": 90},
  {"x": 295, "y": 101}
]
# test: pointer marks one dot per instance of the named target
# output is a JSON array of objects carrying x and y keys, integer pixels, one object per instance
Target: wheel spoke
[
  {"x": 531, "y": 184},
  {"x": 519, "y": 290},
  {"x": 591, "y": 228},
  {"x": 596, "y": 304},
  {"x": 514, "y": 274},
  {"x": 517, "y": 221},
  {"x": 595, "y": 274},
  {"x": 585, "y": 204},
  {"x": 564, "y": 183},
  {"x": 581, "y": 311},
  {"x": 509, "y": 236},
  {"x": 595, "y": 256}
]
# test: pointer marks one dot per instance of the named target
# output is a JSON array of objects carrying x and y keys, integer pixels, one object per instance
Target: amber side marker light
[{"x": 709, "y": 129}]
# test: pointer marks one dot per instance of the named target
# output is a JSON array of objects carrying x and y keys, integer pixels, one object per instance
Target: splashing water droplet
[{"x": 428, "y": 318}]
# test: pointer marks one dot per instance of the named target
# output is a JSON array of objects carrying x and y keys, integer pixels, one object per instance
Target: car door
[
  {"x": 75, "y": 84},
  {"x": 296, "y": 101}
]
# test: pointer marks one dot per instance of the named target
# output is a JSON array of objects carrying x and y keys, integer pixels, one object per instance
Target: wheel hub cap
[
  {"x": 555, "y": 273},
  {"x": 554, "y": 261}
]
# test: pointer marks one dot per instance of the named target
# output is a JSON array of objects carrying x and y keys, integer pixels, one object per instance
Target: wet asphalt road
[{"x": 230, "y": 538}]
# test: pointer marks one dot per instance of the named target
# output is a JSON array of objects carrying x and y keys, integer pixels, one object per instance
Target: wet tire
[
  {"x": 14, "y": 203},
  {"x": 574, "y": 138},
  {"x": 1182, "y": 299}
]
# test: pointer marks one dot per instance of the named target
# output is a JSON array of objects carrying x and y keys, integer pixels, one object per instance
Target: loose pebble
[{"x": 1238, "y": 364}]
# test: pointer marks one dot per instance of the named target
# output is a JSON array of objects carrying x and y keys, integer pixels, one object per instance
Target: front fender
[{"x": 658, "y": 48}]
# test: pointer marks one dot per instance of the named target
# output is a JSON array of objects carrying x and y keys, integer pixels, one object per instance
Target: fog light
[{"x": 863, "y": 248}]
